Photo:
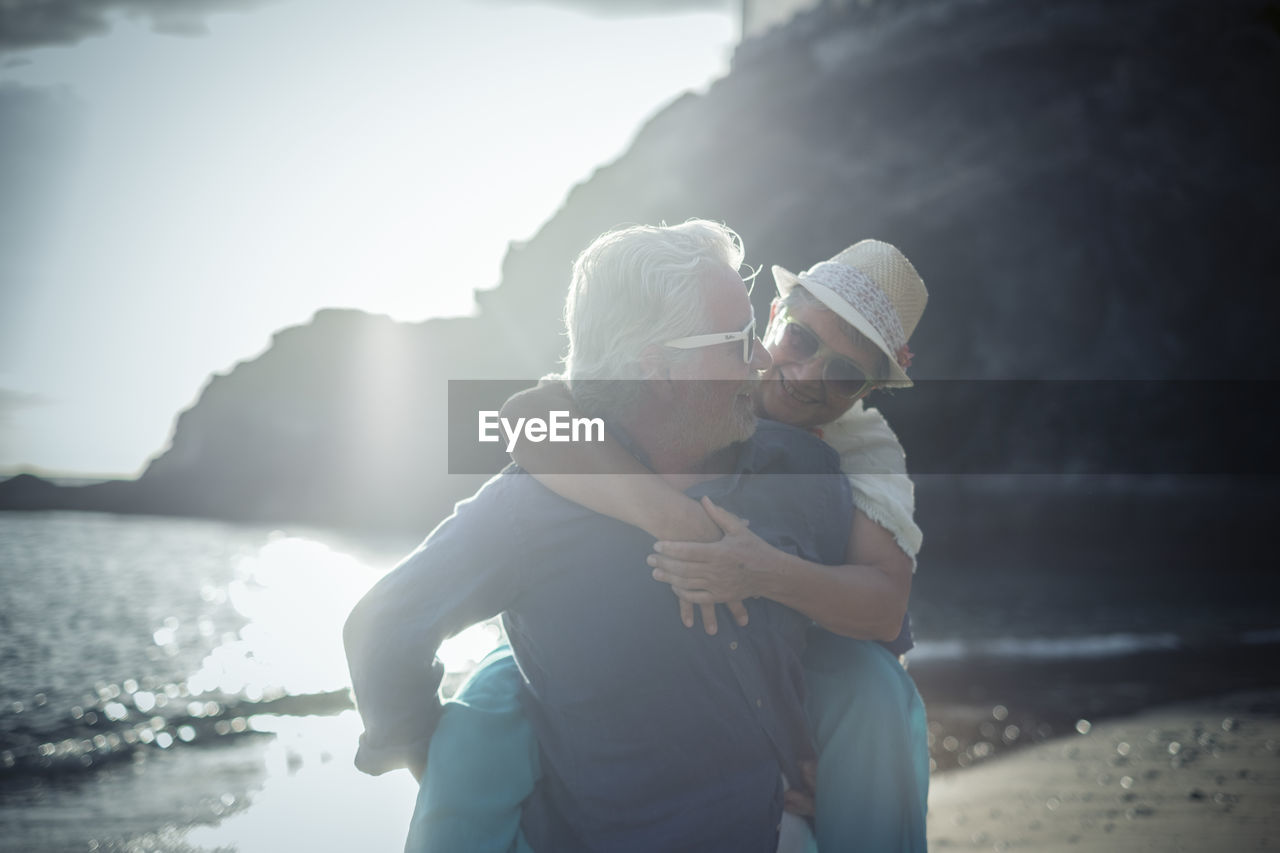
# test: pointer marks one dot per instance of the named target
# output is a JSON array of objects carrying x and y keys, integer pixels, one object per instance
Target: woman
[{"x": 837, "y": 331}]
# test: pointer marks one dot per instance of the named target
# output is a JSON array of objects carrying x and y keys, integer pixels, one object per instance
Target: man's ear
[{"x": 655, "y": 367}]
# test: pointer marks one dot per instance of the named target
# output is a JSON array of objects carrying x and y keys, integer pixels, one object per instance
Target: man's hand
[
  {"x": 709, "y": 624},
  {"x": 710, "y": 573}
]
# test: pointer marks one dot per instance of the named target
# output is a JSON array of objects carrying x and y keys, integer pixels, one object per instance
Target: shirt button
[
  {"x": 733, "y": 646},
  {"x": 759, "y": 703}
]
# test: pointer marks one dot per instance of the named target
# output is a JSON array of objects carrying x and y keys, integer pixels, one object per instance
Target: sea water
[{"x": 159, "y": 675}]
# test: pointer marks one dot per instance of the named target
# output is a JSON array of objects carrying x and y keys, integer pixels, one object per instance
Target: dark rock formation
[
  {"x": 340, "y": 421},
  {"x": 1078, "y": 181},
  {"x": 1091, "y": 191}
]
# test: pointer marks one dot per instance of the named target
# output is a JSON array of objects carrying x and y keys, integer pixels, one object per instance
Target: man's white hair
[{"x": 633, "y": 288}]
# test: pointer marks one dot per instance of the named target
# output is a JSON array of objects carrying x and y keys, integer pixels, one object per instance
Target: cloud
[
  {"x": 12, "y": 402},
  {"x": 26, "y": 24},
  {"x": 39, "y": 23},
  {"x": 631, "y": 8}
]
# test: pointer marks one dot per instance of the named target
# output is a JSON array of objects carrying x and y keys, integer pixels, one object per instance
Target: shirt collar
[{"x": 730, "y": 463}]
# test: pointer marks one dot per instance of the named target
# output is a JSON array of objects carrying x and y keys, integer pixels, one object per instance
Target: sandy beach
[{"x": 1195, "y": 776}]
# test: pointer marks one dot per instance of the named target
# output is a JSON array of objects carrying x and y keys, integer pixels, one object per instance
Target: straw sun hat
[{"x": 874, "y": 288}]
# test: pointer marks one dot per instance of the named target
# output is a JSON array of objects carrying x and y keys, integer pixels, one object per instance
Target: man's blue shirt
[{"x": 653, "y": 736}]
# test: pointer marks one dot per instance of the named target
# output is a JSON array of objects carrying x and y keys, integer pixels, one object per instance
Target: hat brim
[{"x": 786, "y": 280}]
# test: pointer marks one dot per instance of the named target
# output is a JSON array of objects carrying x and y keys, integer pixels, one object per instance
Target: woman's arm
[
  {"x": 865, "y": 599},
  {"x": 604, "y": 477}
]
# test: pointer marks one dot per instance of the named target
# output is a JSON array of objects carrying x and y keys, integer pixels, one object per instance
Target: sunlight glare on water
[
  {"x": 295, "y": 594},
  {"x": 461, "y": 652},
  {"x": 312, "y": 797}
]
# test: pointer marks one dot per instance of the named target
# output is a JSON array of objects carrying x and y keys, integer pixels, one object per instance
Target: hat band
[{"x": 864, "y": 296}]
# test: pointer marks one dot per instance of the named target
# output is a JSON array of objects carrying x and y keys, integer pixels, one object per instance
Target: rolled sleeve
[
  {"x": 466, "y": 571},
  {"x": 395, "y": 681}
]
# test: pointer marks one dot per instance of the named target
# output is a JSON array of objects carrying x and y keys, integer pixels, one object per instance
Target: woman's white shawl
[{"x": 873, "y": 459}]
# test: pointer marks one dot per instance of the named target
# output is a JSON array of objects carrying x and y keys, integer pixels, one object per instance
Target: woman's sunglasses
[{"x": 840, "y": 375}]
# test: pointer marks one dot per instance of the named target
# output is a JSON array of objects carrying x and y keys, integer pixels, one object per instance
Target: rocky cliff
[{"x": 1090, "y": 189}]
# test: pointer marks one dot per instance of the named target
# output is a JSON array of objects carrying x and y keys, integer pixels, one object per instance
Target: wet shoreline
[
  {"x": 993, "y": 706},
  {"x": 979, "y": 706}
]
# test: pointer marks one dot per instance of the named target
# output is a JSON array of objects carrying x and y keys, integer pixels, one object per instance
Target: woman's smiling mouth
[{"x": 794, "y": 392}]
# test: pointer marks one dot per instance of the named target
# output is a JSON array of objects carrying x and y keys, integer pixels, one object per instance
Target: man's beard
[{"x": 700, "y": 424}]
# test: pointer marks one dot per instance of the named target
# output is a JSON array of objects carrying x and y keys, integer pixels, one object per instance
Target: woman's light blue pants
[{"x": 867, "y": 720}]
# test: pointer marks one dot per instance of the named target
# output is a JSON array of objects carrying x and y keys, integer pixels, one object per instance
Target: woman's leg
[
  {"x": 869, "y": 727},
  {"x": 483, "y": 763}
]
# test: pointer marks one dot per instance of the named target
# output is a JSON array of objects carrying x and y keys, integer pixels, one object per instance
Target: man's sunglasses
[
  {"x": 840, "y": 375},
  {"x": 747, "y": 336}
]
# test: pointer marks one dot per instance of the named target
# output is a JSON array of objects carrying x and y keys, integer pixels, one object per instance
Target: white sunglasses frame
[{"x": 747, "y": 336}]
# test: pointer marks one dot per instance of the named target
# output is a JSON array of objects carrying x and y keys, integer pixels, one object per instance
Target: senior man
[{"x": 650, "y": 737}]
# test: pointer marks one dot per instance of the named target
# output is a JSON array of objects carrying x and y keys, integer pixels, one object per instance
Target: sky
[{"x": 178, "y": 186}]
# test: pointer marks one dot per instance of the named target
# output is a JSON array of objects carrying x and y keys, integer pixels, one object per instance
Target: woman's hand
[
  {"x": 800, "y": 800},
  {"x": 690, "y": 522},
  {"x": 709, "y": 573}
]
